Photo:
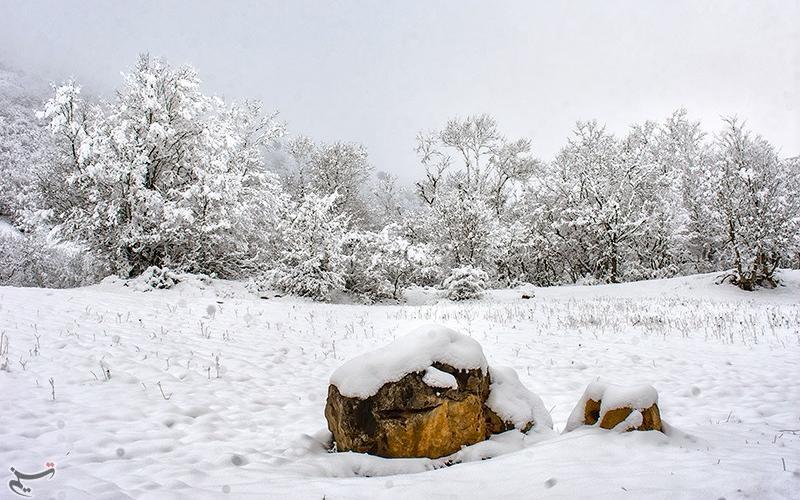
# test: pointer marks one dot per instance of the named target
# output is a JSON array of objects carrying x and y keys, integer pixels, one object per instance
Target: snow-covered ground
[{"x": 726, "y": 365}]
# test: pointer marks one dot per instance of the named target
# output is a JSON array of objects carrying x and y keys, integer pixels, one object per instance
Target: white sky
[{"x": 378, "y": 72}]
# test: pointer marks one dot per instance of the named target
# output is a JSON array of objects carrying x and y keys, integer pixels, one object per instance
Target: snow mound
[
  {"x": 7, "y": 230},
  {"x": 611, "y": 397},
  {"x": 364, "y": 375},
  {"x": 513, "y": 402}
]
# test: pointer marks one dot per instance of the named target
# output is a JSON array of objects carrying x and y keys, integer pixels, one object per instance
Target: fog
[{"x": 379, "y": 72}]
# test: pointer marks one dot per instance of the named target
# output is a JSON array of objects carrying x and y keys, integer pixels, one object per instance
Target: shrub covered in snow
[
  {"x": 35, "y": 260},
  {"x": 465, "y": 283},
  {"x": 160, "y": 278},
  {"x": 381, "y": 264}
]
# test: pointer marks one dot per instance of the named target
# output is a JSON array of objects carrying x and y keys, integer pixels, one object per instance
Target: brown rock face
[
  {"x": 409, "y": 418},
  {"x": 651, "y": 420},
  {"x": 651, "y": 417},
  {"x": 591, "y": 413}
]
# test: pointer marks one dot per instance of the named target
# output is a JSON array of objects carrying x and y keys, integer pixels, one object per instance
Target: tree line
[{"x": 166, "y": 177}]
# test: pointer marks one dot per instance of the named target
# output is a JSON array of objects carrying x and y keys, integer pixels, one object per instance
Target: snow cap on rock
[{"x": 364, "y": 375}]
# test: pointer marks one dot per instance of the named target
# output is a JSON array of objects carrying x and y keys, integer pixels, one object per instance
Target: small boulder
[{"x": 618, "y": 408}]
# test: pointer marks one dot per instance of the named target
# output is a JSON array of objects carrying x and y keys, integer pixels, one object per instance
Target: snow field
[{"x": 726, "y": 371}]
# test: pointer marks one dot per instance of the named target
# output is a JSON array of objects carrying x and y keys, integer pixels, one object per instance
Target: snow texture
[{"x": 364, "y": 375}]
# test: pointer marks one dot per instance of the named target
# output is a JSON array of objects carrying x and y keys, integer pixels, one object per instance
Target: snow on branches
[{"x": 163, "y": 175}]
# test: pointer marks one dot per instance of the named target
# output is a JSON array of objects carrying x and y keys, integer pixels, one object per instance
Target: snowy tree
[
  {"x": 655, "y": 250},
  {"x": 358, "y": 265},
  {"x": 598, "y": 212},
  {"x": 756, "y": 203},
  {"x": 295, "y": 170},
  {"x": 544, "y": 254},
  {"x": 390, "y": 200},
  {"x": 324, "y": 169},
  {"x": 685, "y": 160},
  {"x": 474, "y": 178},
  {"x": 24, "y": 146},
  {"x": 310, "y": 233},
  {"x": 164, "y": 175},
  {"x": 466, "y": 226},
  {"x": 230, "y": 205},
  {"x": 473, "y": 156},
  {"x": 513, "y": 251}
]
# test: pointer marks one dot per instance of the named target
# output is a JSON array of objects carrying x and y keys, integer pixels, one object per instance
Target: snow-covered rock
[
  {"x": 514, "y": 403},
  {"x": 412, "y": 417},
  {"x": 617, "y": 407},
  {"x": 428, "y": 394}
]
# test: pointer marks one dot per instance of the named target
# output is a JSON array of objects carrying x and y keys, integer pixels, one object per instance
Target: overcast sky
[{"x": 378, "y": 72}]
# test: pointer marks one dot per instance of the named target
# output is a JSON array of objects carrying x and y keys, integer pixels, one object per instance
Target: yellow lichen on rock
[
  {"x": 436, "y": 433},
  {"x": 651, "y": 418}
]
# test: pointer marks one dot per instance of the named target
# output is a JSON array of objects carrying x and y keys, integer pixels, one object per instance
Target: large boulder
[
  {"x": 410, "y": 418},
  {"x": 426, "y": 395},
  {"x": 617, "y": 408}
]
